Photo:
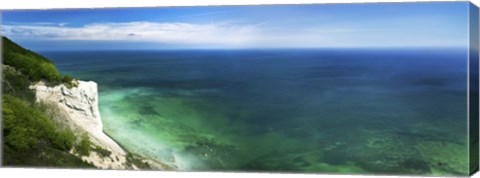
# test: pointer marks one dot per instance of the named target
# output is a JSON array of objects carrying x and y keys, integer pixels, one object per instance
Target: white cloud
[
  {"x": 237, "y": 35},
  {"x": 175, "y": 33}
]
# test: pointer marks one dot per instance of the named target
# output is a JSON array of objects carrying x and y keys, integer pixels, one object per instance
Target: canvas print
[{"x": 367, "y": 88}]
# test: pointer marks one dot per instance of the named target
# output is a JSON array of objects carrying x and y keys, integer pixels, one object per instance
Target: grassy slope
[{"x": 30, "y": 138}]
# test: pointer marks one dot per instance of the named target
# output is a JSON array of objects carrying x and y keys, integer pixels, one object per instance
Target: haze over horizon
[{"x": 370, "y": 25}]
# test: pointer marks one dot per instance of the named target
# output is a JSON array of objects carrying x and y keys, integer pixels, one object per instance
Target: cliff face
[
  {"x": 79, "y": 108},
  {"x": 75, "y": 108}
]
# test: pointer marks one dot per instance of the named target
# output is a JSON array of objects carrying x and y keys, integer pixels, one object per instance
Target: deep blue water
[{"x": 331, "y": 110}]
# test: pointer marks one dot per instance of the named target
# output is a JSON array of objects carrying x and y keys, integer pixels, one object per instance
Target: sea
[{"x": 338, "y": 111}]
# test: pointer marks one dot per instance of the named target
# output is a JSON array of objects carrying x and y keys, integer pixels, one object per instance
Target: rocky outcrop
[{"x": 79, "y": 107}]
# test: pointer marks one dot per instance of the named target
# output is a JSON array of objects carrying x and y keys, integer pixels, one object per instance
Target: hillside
[
  {"x": 24, "y": 67},
  {"x": 30, "y": 136},
  {"x": 50, "y": 120}
]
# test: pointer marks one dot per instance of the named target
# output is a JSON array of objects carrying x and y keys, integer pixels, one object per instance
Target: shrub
[
  {"x": 102, "y": 152},
  {"x": 25, "y": 126},
  {"x": 17, "y": 84},
  {"x": 133, "y": 159},
  {"x": 69, "y": 81},
  {"x": 64, "y": 140},
  {"x": 20, "y": 139},
  {"x": 84, "y": 147},
  {"x": 33, "y": 65}
]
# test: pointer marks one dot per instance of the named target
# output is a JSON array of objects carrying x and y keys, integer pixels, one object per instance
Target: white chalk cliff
[{"x": 79, "y": 106}]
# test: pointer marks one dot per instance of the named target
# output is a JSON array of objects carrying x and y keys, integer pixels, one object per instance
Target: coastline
[
  {"x": 79, "y": 108},
  {"x": 157, "y": 165}
]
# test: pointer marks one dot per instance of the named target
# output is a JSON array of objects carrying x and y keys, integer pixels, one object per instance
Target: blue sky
[{"x": 371, "y": 25}]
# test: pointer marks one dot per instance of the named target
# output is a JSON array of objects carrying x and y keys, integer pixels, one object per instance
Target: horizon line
[{"x": 265, "y": 48}]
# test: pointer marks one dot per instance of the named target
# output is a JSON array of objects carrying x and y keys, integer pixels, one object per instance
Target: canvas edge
[
  {"x": 473, "y": 89},
  {"x": 1, "y": 94}
]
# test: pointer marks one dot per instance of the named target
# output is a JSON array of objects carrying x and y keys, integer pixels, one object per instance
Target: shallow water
[{"x": 399, "y": 111}]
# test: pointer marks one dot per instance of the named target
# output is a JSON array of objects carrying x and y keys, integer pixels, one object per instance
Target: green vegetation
[
  {"x": 133, "y": 159},
  {"x": 84, "y": 147},
  {"x": 32, "y": 65},
  {"x": 24, "y": 127},
  {"x": 66, "y": 141},
  {"x": 69, "y": 81},
  {"x": 16, "y": 84},
  {"x": 28, "y": 132},
  {"x": 32, "y": 138},
  {"x": 102, "y": 152},
  {"x": 42, "y": 156}
]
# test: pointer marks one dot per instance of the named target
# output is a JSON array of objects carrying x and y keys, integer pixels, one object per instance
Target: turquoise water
[{"x": 397, "y": 111}]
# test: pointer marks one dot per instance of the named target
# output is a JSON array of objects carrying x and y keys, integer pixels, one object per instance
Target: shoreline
[
  {"x": 157, "y": 163},
  {"x": 77, "y": 108}
]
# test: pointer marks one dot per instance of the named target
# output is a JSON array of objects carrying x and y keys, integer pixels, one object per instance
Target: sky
[{"x": 371, "y": 25}]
